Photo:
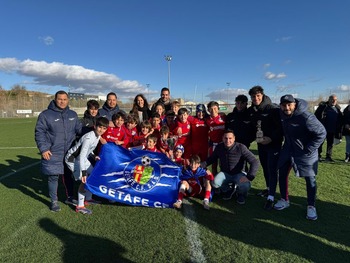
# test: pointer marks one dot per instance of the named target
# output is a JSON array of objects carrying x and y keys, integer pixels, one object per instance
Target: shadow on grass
[
  {"x": 84, "y": 248},
  {"x": 324, "y": 240},
  {"x": 26, "y": 177}
]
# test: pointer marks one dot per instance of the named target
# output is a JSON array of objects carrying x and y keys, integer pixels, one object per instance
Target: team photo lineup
[{"x": 160, "y": 153}]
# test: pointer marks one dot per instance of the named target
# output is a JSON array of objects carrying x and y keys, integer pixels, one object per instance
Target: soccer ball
[{"x": 145, "y": 160}]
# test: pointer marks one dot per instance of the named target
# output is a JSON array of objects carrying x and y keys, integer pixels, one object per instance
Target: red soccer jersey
[
  {"x": 199, "y": 138},
  {"x": 139, "y": 140},
  {"x": 184, "y": 138},
  {"x": 216, "y": 127},
  {"x": 131, "y": 134},
  {"x": 114, "y": 134}
]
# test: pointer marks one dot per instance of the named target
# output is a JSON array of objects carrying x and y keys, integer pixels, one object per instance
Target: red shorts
[{"x": 195, "y": 190}]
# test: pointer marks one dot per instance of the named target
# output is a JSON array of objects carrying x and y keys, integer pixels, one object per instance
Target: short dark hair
[
  {"x": 155, "y": 115},
  {"x": 164, "y": 129},
  {"x": 195, "y": 159},
  {"x": 92, "y": 104},
  {"x": 118, "y": 115},
  {"x": 131, "y": 119},
  {"x": 255, "y": 90},
  {"x": 165, "y": 89},
  {"x": 60, "y": 92},
  {"x": 242, "y": 98},
  {"x": 146, "y": 124},
  {"x": 229, "y": 131},
  {"x": 152, "y": 137},
  {"x": 182, "y": 111},
  {"x": 102, "y": 121},
  {"x": 111, "y": 93},
  {"x": 212, "y": 103}
]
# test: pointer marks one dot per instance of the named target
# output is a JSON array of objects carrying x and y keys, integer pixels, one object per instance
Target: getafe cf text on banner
[{"x": 135, "y": 177}]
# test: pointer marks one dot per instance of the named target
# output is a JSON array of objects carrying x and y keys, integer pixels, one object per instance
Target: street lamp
[
  {"x": 147, "y": 85},
  {"x": 168, "y": 58}
]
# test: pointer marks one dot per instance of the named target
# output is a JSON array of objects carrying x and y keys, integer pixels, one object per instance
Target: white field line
[
  {"x": 19, "y": 170},
  {"x": 192, "y": 231},
  {"x": 6, "y": 243}
]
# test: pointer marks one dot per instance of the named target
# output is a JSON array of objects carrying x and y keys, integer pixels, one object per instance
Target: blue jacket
[
  {"x": 304, "y": 134},
  {"x": 107, "y": 112},
  {"x": 56, "y": 130}
]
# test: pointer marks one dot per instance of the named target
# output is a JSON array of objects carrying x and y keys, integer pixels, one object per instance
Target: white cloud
[
  {"x": 77, "y": 78},
  {"x": 283, "y": 39},
  {"x": 344, "y": 87},
  {"x": 273, "y": 76},
  {"x": 266, "y": 66},
  {"x": 228, "y": 94},
  {"x": 47, "y": 40},
  {"x": 288, "y": 88}
]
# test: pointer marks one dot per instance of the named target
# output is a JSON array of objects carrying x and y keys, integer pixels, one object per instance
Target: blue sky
[{"x": 219, "y": 48}]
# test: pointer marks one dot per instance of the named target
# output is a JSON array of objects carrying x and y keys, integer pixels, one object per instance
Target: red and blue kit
[{"x": 196, "y": 181}]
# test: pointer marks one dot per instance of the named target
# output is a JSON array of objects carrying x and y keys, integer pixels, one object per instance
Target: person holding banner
[
  {"x": 78, "y": 161},
  {"x": 195, "y": 181}
]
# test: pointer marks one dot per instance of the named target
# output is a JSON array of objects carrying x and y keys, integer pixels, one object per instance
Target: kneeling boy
[{"x": 195, "y": 181}]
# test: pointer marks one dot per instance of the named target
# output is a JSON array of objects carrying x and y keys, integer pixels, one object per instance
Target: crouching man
[{"x": 232, "y": 156}]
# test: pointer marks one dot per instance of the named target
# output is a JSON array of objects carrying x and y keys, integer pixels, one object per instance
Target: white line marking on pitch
[
  {"x": 19, "y": 170},
  {"x": 192, "y": 231}
]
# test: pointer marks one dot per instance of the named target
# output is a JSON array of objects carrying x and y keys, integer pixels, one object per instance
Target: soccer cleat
[
  {"x": 92, "y": 202},
  {"x": 71, "y": 201},
  {"x": 347, "y": 157},
  {"x": 83, "y": 210},
  {"x": 206, "y": 204},
  {"x": 269, "y": 205},
  {"x": 329, "y": 160},
  {"x": 228, "y": 194},
  {"x": 311, "y": 213},
  {"x": 281, "y": 204},
  {"x": 263, "y": 193},
  {"x": 241, "y": 199},
  {"x": 55, "y": 207},
  {"x": 177, "y": 204}
]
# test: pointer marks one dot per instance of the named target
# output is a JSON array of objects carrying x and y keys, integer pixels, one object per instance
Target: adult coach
[
  {"x": 164, "y": 99},
  {"x": 330, "y": 115},
  {"x": 303, "y": 135},
  {"x": 232, "y": 156},
  {"x": 110, "y": 106},
  {"x": 55, "y": 132}
]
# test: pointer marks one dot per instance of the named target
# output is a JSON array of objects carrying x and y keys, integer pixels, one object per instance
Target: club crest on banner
[
  {"x": 142, "y": 173},
  {"x": 135, "y": 177}
]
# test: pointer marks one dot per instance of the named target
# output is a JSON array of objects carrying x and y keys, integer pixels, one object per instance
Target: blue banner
[{"x": 135, "y": 177}]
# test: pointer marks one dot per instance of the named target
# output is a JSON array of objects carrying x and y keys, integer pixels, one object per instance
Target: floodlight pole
[{"x": 168, "y": 59}]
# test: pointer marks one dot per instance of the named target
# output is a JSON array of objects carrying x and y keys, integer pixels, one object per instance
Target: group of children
[{"x": 183, "y": 138}]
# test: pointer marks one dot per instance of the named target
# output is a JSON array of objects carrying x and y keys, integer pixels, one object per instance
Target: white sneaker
[
  {"x": 177, "y": 204},
  {"x": 206, "y": 204},
  {"x": 281, "y": 204},
  {"x": 311, "y": 213}
]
